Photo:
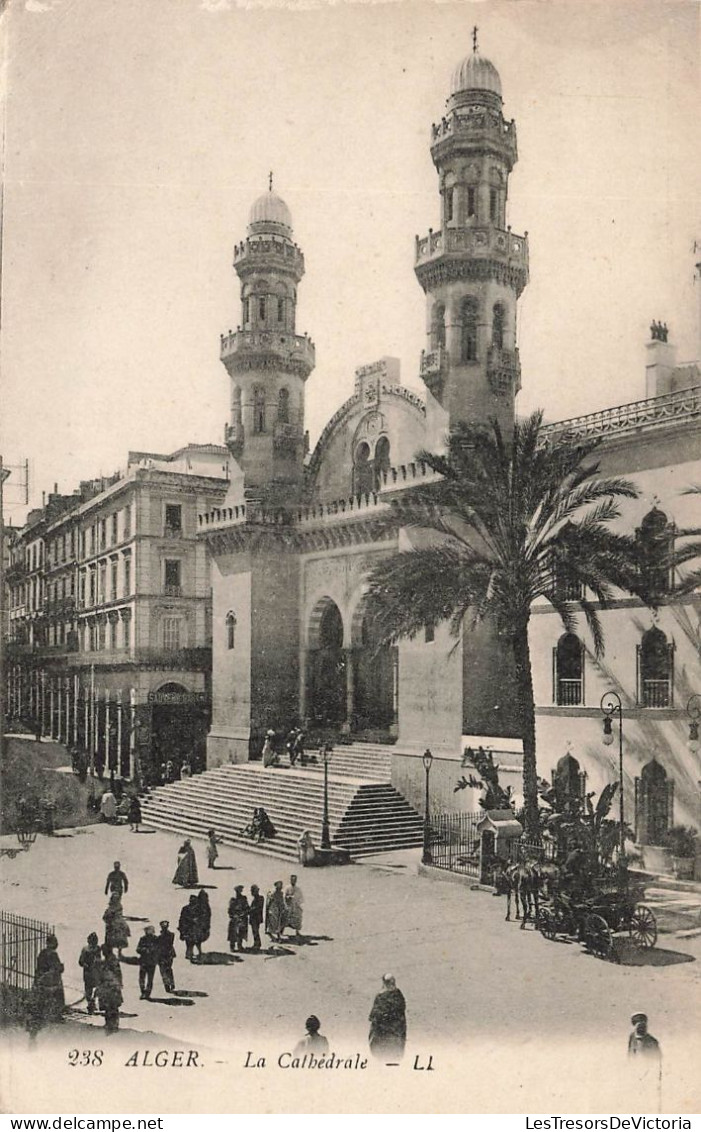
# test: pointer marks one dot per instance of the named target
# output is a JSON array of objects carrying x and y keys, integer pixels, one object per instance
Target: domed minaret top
[
  {"x": 269, "y": 214},
  {"x": 474, "y": 73}
]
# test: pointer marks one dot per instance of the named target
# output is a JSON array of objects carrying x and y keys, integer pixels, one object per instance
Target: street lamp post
[
  {"x": 325, "y": 831},
  {"x": 611, "y": 705},
  {"x": 426, "y": 858},
  {"x": 693, "y": 710}
]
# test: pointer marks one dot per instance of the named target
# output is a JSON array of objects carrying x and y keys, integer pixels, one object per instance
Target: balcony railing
[
  {"x": 476, "y": 123},
  {"x": 172, "y": 532},
  {"x": 173, "y": 591},
  {"x": 480, "y": 241},
  {"x": 243, "y": 349},
  {"x": 656, "y": 693},
  {"x": 433, "y": 368},
  {"x": 569, "y": 692},
  {"x": 503, "y": 369},
  {"x": 684, "y": 407}
]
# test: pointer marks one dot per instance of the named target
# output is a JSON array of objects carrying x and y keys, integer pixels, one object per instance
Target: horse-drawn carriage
[{"x": 594, "y": 909}]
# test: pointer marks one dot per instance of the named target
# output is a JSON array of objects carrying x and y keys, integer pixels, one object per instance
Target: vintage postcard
[{"x": 349, "y": 477}]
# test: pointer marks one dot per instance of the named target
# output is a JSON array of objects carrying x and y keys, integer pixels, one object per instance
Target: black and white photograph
[{"x": 350, "y": 557}]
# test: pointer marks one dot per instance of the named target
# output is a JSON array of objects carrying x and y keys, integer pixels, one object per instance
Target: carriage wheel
[
  {"x": 598, "y": 937},
  {"x": 643, "y": 927},
  {"x": 546, "y": 923}
]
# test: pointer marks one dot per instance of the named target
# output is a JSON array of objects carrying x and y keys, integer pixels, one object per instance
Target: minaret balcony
[
  {"x": 268, "y": 350},
  {"x": 268, "y": 253},
  {"x": 234, "y": 437},
  {"x": 478, "y": 251},
  {"x": 287, "y": 436},
  {"x": 472, "y": 127},
  {"x": 433, "y": 369},
  {"x": 503, "y": 370}
]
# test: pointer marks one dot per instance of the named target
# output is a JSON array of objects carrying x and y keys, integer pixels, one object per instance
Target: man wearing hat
[
  {"x": 645, "y": 1057},
  {"x": 640, "y": 1043},
  {"x": 147, "y": 950},
  {"x": 238, "y": 920},
  {"x": 312, "y": 1040},
  {"x": 166, "y": 955}
]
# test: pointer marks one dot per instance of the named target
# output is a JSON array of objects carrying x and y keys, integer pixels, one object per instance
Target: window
[
  {"x": 362, "y": 470},
  {"x": 569, "y": 671},
  {"x": 93, "y": 585},
  {"x": 655, "y": 670},
  {"x": 113, "y": 633},
  {"x": 438, "y": 327},
  {"x": 493, "y": 205},
  {"x": 382, "y": 461},
  {"x": 115, "y": 531},
  {"x": 655, "y": 538},
  {"x": 127, "y": 522},
  {"x": 654, "y": 804},
  {"x": 246, "y": 311},
  {"x": 172, "y": 577},
  {"x": 258, "y": 409},
  {"x": 113, "y": 579},
  {"x": 82, "y": 544},
  {"x": 103, "y": 534},
  {"x": 471, "y": 201},
  {"x": 448, "y": 205},
  {"x": 127, "y": 575},
  {"x": 283, "y": 406},
  {"x": 261, "y": 308},
  {"x": 173, "y": 519},
  {"x": 102, "y": 583},
  {"x": 498, "y": 326},
  {"x": 281, "y": 310},
  {"x": 101, "y": 633},
  {"x": 468, "y": 319},
  {"x": 230, "y": 630},
  {"x": 82, "y": 589},
  {"x": 171, "y": 633}
]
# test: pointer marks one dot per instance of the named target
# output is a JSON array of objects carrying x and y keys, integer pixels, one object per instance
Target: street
[{"x": 511, "y": 1020}]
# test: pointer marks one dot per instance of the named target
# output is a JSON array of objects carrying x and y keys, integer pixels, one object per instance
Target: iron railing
[
  {"x": 454, "y": 842},
  {"x": 21, "y": 940}
]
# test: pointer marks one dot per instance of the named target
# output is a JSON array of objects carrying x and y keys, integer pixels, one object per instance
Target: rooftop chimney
[{"x": 661, "y": 360}]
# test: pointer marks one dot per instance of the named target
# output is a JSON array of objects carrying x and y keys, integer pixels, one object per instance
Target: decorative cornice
[{"x": 680, "y": 408}]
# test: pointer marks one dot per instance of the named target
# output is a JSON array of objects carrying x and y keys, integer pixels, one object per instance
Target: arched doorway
[
  {"x": 654, "y": 804},
  {"x": 326, "y": 667},
  {"x": 375, "y": 674},
  {"x": 178, "y": 726}
]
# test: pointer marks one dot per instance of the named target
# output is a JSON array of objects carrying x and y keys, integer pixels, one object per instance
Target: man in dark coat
[
  {"x": 47, "y": 1000},
  {"x": 89, "y": 961},
  {"x": 238, "y": 919},
  {"x": 117, "y": 880},
  {"x": 147, "y": 949},
  {"x": 166, "y": 955},
  {"x": 109, "y": 988},
  {"x": 388, "y": 1021},
  {"x": 256, "y": 915},
  {"x": 189, "y": 926}
]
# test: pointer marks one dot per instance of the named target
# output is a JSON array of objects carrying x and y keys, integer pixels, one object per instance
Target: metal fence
[
  {"x": 21, "y": 940},
  {"x": 455, "y": 842}
]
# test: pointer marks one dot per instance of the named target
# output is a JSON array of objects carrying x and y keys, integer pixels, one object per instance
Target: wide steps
[
  {"x": 356, "y": 760},
  {"x": 365, "y": 816}
]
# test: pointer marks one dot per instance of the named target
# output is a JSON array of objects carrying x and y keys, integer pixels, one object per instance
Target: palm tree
[{"x": 506, "y": 522}]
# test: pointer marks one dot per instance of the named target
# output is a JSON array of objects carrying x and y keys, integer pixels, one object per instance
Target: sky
[{"x": 138, "y": 134}]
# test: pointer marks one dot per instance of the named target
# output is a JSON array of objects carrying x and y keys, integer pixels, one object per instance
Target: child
[{"x": 212, "y": 851}]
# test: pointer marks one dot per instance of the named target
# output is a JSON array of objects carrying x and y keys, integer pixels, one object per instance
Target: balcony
[
  {"x": 503, "y": 370},
  {"x": 501, "y": 251},
  {"x": 656, "y": 693},
  {"x": 475, "y": 126},
  {"x": 433, "y": 369},
  {"x": 269, "y": 252},
  {"x": 286, "y": 436},
  {"x": 569, "y": 693},
  {"x": 234, "y": 437},
  {"x": 173, "y": 590},
  {"x": 197, "y": 659},
  {"x": 255, "y": 349},
  {"x": 172, "y": 532},
  {"x": 680, "y": 408}
]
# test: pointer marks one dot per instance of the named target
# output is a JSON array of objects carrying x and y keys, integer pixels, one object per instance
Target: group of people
[
  {"x": 168, "y": 772},
  {"x": 279, "y": 911},
  {"x": 294, "y": 747},
  {"x": 129, "y": 809}
]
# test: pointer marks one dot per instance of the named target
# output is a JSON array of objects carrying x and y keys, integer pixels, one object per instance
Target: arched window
[
  {"x": 569, "y": 781},
  {"x": 471, "y": 200},
  {"x": 498, "y": 316},
  {"x": 494, "y": 205},
  {"x": 438, "y": 327},
  {"x": 283, "y": 405},
  {"x": 230, "y": 630},
  {"x": 281, "y": 310},
  {"x": 362, "y": 470},
  {"x": 569, "y": 671},
  {"x": 468, "y": 320},
  {"x": 246, "y": 311},
  {"x": 261, "y": 308},
  {"x": 655, "y": 541},
  {"x": 449, "y": 205},
  {"x": 654, "y": 804},
  {"x": 258, "y": 409},
  {"x": 382, "y": 460},
  {"x": 655, "y": 670}
]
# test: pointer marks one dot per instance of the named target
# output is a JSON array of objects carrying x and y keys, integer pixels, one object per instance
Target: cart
[{"x": 613, "y": 905}]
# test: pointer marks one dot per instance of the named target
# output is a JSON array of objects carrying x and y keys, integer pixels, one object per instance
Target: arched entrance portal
[
  {"x": 375, "y": 675},
  {"x": 326, "y": 667},
  {"x": 179, "y": 722}
]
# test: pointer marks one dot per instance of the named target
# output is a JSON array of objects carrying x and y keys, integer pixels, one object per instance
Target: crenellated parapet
[
  {"x": 245, "y": 350},
  {"x": 258, "y": 253},
  {"x": 474, "y": 130},
  {"x": 478, "y": 252}
]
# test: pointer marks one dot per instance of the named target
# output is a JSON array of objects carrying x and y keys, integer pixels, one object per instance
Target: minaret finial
[
  {"x": 474, "y": 37},
  {"x": 270, "y": 182}
]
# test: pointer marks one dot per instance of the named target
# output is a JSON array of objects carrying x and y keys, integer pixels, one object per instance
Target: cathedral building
[{"x": 293, "y": 542}]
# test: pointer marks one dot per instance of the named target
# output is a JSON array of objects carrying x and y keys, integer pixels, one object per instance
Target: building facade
[
  {"x": 110, "y": 613},
  {"x": 294, "y": 540}
]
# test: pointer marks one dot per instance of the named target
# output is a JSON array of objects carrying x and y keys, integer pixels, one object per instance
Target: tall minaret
[
  {"x": 267, "y": 362},
  {"x": 474, "y": 268}
]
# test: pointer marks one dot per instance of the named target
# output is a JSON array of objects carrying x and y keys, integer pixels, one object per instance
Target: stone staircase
[
  {"x": 352, "y": 760},
  {"x": 365, "y": 815}
]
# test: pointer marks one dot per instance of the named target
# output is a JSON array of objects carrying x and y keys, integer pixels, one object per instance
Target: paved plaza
[{"x": 482, "y": 994}]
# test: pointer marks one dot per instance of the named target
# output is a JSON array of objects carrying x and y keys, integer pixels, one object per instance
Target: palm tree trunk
[{"x": 526, "y": 711}]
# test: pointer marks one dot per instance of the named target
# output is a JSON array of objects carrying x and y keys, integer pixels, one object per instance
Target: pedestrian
[
  {"x": 305, "y": 848},
  {"x": 108, "y": 807},
  {"x": 166, "y": 955},
  {"x": 89, "y": 961},
  {"x": 298, "y": 748},
  {"x": 186, "y": 769},
  {"x": 147, "y": 950},
  {"x": 109, "y": 988},
  {"x": 170, "y": 771},
  {"x": 290, "y": 746},
  {"x": 269, "y": 753},
  {"x": 238, "y": 920},
  {"x": 117, "y": 881},
  {"x": 117, "y": 930},
  {"x": 203, "y": 920},
  {"x": 256, "y": 915},
  {"x": 312, "y": 1041},
  {"x": 188, "y": 927},
  {"x": 186, "y": 872},
  {"x": 212, "y": 851},
  {"x": 48, "y": 982},
  {"x": 388, "y": 1021},
  {"x": 134, "y": 813},
  {"x": 293, "y": 903},
  {"x": 163, "y": 774},
  {"x": 645, "y": 1058},
  {"x": 275, "y": 912}
]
